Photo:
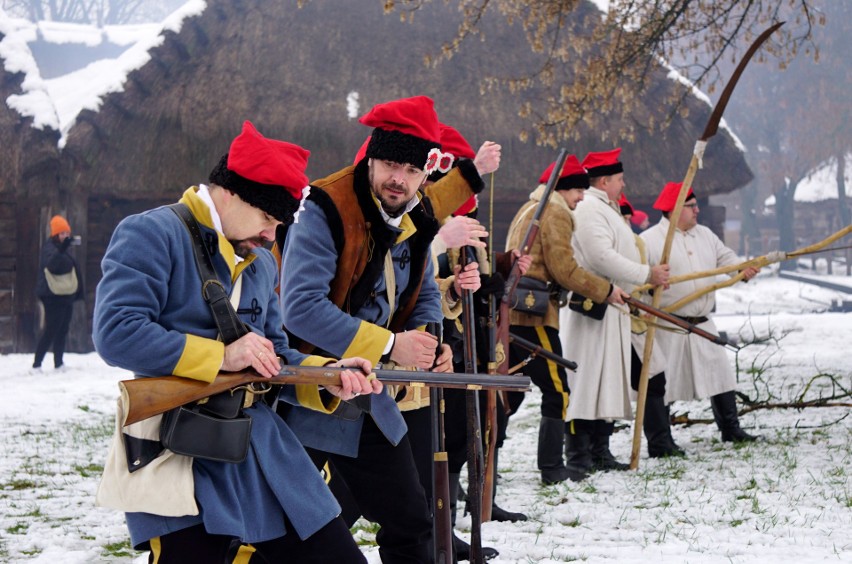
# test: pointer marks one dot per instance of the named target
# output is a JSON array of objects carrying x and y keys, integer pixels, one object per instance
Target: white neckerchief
[
  {"x": 395, "y": 221},
  {"x": 204, "y": 195}
]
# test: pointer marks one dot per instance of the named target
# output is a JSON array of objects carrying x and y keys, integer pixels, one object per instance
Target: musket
[
  {"x": 490, "y": 437},
  {"x": 442, "y": 524},
  {"x": 682, "y": 323},
  {"x": 150, "y": 396},
  {"x": 538, "y": 350},
  {"x": 474, "y": 432},
  {"x": 697, "y": 154},
  {"x": 515, "y": 272}
]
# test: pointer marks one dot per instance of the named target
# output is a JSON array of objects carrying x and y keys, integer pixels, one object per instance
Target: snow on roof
[
  {"x": 55, "y": 103},
  {"x": 820, "y": 184},
  {"x": 675, "y": 75}
]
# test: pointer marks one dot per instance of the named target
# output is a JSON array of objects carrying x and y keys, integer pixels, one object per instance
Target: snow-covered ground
[{"x": 787, "y": 498}]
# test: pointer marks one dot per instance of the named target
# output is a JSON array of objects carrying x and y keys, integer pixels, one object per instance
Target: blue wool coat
[
  {"x": 151, "y": 318},
  {"x": 313, "y": 317}
]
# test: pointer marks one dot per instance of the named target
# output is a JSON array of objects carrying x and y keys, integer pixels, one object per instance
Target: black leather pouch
[
  {"x": 191, "y": 432},
  {"x": 584, "y": 305},
  {"x": 531, "y": 296}
]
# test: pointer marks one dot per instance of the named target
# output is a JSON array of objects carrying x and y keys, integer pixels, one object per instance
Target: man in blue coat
[
  {"x": 151, "y": 318},
  {"x": 369, "y": 292}
]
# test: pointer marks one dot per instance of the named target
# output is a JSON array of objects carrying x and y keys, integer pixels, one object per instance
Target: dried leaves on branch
[{"x": 596, "y": 64}]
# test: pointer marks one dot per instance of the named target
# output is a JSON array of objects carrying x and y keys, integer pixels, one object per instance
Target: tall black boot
[
  {"x": 602, "y": 458},
  {"x": 725, "y": 413},
  {"x": 551, "y": 438},
  {"x": 578, "y": 449},
  {"x": 461, "y": 549},
  {"x": 498, "y": 513},
  {"x": 658, "y": 430}
]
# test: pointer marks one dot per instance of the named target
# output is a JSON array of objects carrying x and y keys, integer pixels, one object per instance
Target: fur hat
[
  {"x": 265, "y": 173},
  {"x": 573, "y": 175},
  {"x": 605, "y": 163},
  {"x": 406, "y": 131}
]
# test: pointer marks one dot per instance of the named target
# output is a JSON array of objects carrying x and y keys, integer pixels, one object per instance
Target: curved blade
[{"x": 716, "y": 116}]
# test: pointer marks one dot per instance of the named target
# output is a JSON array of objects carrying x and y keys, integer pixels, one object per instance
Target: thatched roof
[{"x": 290, "y": 70}]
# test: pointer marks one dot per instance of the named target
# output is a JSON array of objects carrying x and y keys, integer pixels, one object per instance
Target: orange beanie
[{"x": 58, "y": 224}]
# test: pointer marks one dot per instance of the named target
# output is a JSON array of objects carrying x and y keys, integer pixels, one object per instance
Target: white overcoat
[
  {"x": 696, "y": 368},
  {"x": 605, "y": 245}
]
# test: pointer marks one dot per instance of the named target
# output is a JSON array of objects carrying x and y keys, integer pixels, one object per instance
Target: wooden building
[{"x": 293, "y": 72}]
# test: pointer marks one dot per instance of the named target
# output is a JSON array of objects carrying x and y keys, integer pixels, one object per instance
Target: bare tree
[
  {"x": 607, "y": 58},
  {"x": 800, "y": 119},
  {"x": 94, "y": 12}
]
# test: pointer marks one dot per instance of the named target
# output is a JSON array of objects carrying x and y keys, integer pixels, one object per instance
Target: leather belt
[{"x": 693, "y": 320}]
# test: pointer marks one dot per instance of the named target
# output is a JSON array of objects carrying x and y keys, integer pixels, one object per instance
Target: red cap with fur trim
[
  {"x": 638, "y": 217},
  {"x": 668, "y": 197},
  {"x": 573, "y": 175},
  {"x": 406, "y": 131},
  {"x": 269, "y": 161},
  {"x": 265, "y": 173},
  {"x": 453, "y": 143},
  {"x": 605, "y": 163},
  {"x": 362, "y": 151}
]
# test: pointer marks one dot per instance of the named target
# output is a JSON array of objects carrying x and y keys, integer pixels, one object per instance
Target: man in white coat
[
  {"x": 696, "y": 368},
  {"x": 605, "y": 245}
]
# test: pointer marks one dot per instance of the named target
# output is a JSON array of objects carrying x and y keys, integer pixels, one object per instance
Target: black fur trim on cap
[
  {"x": 573, "y": 181},
  {"x": 626, "y": 209},
  {"x": 273, "y": 199},
  {"x": 399, "y": 147},
  {"x": 606, "y": 170}
]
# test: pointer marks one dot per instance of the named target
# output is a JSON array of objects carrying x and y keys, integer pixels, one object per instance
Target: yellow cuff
[
  {"x": 308, "y": 395},
  {"x": 201, "y": 359},
  {"x": 369, "y": 342}
]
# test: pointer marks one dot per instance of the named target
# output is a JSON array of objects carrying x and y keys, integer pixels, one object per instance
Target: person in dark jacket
[{"x": 58, "y": 286}]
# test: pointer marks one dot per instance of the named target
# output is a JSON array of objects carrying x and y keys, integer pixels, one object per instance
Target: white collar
[
  {"x": 204, "y": 195},
  {"x": 396, "y": 221}
]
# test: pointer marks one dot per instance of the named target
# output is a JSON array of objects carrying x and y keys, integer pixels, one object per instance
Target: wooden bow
[{"x": 698, "y": 152}]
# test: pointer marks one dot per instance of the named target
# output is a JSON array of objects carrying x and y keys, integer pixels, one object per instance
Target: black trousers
[
  {"x": 384, "y": 484},
  {"x": 332, "y": 544},
  {"x": 57, "y": 320},
  {"x": 551, "y": 378},
  {"x": 656, "y": 382}
]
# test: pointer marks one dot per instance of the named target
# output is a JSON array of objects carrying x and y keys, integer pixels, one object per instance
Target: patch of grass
[
  {"x": 20, "y": 484},
  {"x": 588, "y": 488},
  {"x": 365, "y": 532},
  {"x": 34, "y": 512},
  {"x": 89, "y": 470},
  {"x": 19, "y": 528},
  {"x": 117, "y": 549}
]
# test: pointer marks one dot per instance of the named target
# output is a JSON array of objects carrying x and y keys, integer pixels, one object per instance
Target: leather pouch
[
  {"x": 584, "y": 305},
  {"x": 193, "y": 433},
  {"x": 531, "y": 296}
]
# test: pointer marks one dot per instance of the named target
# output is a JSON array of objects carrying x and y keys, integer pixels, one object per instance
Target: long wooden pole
[{"x": 697, "y": 155}]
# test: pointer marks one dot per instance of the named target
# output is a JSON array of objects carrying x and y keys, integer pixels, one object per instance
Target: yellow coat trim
[
  {"x": 308, "y": 395},
  {"x": 201, "y": 358},
  {"x": 369, "y": 342}
]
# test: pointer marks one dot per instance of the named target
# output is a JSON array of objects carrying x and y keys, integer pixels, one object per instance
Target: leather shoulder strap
[{"x": 229, "y": 324}]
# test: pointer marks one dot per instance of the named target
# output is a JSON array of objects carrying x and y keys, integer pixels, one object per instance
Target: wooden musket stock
[{"x": 147, "y": 397}]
